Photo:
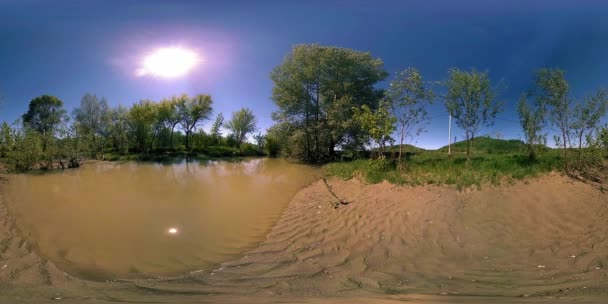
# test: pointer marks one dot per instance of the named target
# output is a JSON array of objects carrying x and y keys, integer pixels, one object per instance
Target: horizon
[{"x": 240, "y": 43}]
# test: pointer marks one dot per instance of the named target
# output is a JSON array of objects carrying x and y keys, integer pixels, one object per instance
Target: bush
[{"x": 382, "y": 165}]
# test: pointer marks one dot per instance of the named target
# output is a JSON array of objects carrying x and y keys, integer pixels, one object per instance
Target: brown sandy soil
[{"x": 545, "y": 239}]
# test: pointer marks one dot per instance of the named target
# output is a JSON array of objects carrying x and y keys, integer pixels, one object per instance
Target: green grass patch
[{"x": 434, "y": 167}]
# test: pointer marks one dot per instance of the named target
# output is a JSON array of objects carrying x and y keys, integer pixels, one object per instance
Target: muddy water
[{"x": 108, "y": 220}]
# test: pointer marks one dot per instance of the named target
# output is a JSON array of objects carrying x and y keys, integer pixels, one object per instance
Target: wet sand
[{"x": 543, "y": 240}]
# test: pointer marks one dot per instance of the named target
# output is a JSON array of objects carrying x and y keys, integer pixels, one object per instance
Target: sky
[{"x": 69, "y": 48}]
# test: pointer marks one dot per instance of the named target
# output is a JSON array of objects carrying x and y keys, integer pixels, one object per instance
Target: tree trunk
[
  {"x": 401, "y": 142},
  {"x": 187, "y": 140},
  {"x": 469, "y": 147},
  {"x": 172, "y": 147},
  {"x": 565, "y": 149},
  {"x": 531, "y": 153}
]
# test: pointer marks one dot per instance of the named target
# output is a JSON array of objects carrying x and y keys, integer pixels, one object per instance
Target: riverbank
[{"x": 538, "y": 238}]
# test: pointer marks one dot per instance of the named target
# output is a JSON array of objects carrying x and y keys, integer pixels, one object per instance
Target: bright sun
[{"x": 168, "y": 62}]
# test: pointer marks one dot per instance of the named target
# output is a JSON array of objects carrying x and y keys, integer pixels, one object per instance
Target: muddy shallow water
[{"x": 108, "y": 220}]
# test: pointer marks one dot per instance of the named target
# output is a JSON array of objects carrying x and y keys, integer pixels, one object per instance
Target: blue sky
[{"x": 69, "y": 48}]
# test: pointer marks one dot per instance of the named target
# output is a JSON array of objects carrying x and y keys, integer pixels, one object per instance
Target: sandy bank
[{"x": 544, "y": 237}]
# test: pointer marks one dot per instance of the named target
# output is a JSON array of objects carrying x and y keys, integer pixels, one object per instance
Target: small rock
[
  {"x": 573, "y": 256},
  {"x": 540, "y": 266}
]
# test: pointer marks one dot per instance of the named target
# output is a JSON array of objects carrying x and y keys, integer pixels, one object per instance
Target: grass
[{"x": 435, "y": 167}]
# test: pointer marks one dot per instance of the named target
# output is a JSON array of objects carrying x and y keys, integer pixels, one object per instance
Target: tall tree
[
  {"x": 552, "y": 88},
  {"x": 169, "y": 115},
  {"x": 471, "y": 101},
  {"x": 44, "y": 114},
  {"x": 143, "y": 118},
  {"x": 193, "y": 111},
  {"x": 242, "y": 123},
  {"x": 378, "y": 124},
  {"x": 316, "y": 88},
  {"x": 587, "y": 116},
  {"x": 93, "y": 119},
  {"x": 407, "y": 95},
  {"x": 532, "y": 119},
  {"x": 119, "y": 129},
  {"x": 7, "y": 139},
  {"x": 217, "y": 125}
]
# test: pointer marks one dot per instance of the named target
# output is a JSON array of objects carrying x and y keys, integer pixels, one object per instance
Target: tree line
[
  {"x": 48, "y": 137},
  {"x": 327, "y": 97}
]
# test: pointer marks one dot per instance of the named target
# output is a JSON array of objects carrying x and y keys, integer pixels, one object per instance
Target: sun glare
[{"x": 168, "y": 63}]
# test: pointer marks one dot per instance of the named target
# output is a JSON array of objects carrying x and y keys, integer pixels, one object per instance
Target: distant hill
[
  {"x": 487, "y": 144},
  {"x": 406, "y": 148}
]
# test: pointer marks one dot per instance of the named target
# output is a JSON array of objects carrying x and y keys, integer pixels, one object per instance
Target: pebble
[{"x": 540, "y": 266}]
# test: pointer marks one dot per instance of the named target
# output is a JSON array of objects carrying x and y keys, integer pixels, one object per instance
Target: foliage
[
  {"x": 242, "y": 123},
  {"x": 407, "y": 95},
  {"x": 316, "y": 88},
  {"x": 27, "y": 149},
  {"x": 169, "y": 116},
  {"x": 217, "y": 125},
  {"x": 260, "y": 140},
  {"x": 92, "y": 120},
  {"x": 532, "y": 119},
  {"x": 7, "y": 142},
  {"x": 272, "y": 146},
  {"x": 552, "y": 90},
  {"x": 471, "y": 101},
  {"x": 192, "y": 111},
  {"x": 44, "y": 114},
  {"x": 379, "y": 124},
  {"x": 143, "y": 119},
  {"x": 586, "y": 116},
  {"x": 119, "y": 129}
]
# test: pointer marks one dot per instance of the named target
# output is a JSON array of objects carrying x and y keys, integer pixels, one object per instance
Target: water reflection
[{"x": 136, "y": 219}]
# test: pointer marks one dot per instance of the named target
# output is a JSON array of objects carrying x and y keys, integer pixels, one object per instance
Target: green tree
[
  {"x": 552, "y": 89},
  {"x": 587, "y": 116},
  {"x": 7, "y": 139},
  {"x": 471, "y": 101},
  {"x": 28, "y": 149},
  {"x": 379, "y": 124},
  {"x": 242, "y": 123},
  {"x": 71, "y": 148},
  {"x": 316, "y": 88},
  {"x": 217, "y": 125},
  {"x": 169, "y": 115},
  {"x": 260, "y": 140},
  {"x": 143, "y": 119},
  {"x": 407, "y": 95},
  {"x": 44, "y": 115},
  {"x": 119, "y": 129},
  {"x": 92, "y": 119},
  {"x": 193, "y": 111},
  {"x": 532, "y": 119}
]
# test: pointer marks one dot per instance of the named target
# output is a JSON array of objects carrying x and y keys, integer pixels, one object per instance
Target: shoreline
[{"x": 390, "y": 240}]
